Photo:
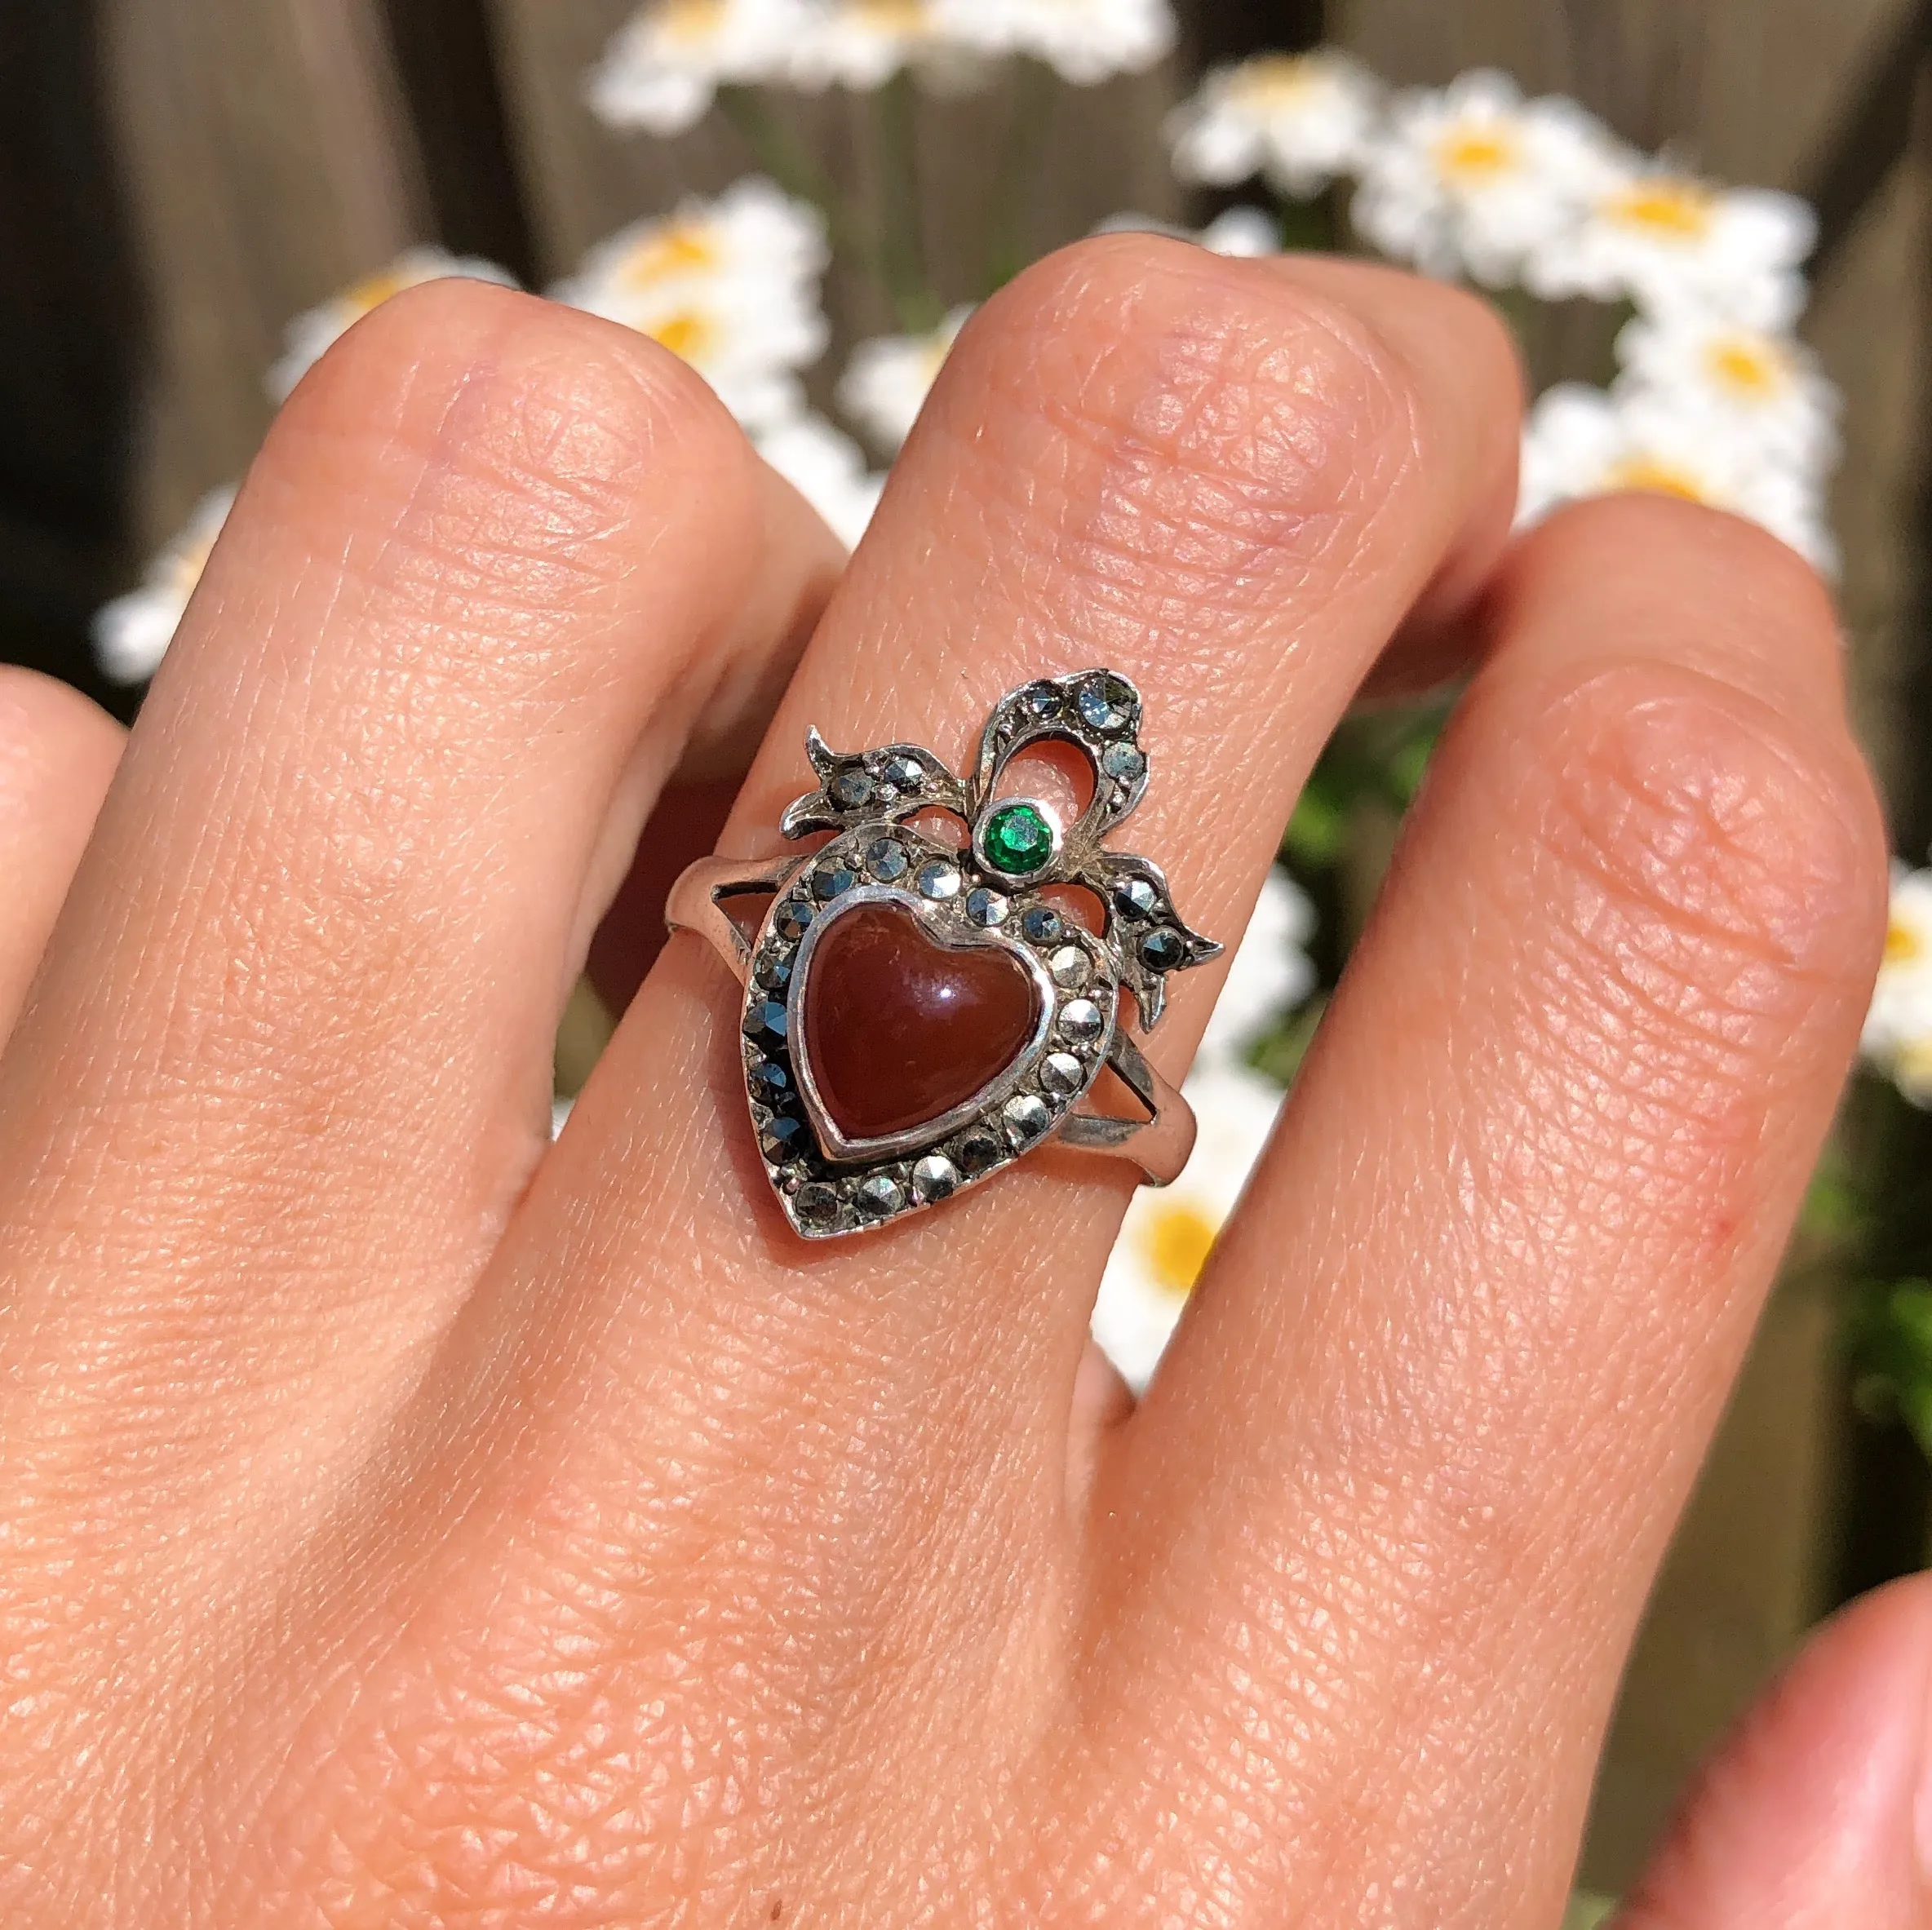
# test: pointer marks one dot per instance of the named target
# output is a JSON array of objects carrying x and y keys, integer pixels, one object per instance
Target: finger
[
  {"x": 1815, "y": 1816},
  {"x": 498, "y": 566},
  {"x": 57, "y": 753},
  {"x": 1425, "y": 1431},
  {"x": 1230, "y": 481}
]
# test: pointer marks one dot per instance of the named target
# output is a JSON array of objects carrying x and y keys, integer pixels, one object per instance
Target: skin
[{"x": 412, "y": 1524}]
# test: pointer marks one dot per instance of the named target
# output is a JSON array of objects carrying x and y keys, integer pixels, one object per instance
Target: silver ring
[{"x": 918, "y": 1013}]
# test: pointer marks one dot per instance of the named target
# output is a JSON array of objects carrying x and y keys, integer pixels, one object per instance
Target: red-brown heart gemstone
[{"x": 899, "y": 1028}]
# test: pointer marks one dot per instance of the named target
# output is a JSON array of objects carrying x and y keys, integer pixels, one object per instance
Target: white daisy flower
[
  {"x": 1270, "y": 974},
  {"x": 1472, "y": 179},
  {"x": 861, "y": 44},
  {"x": 662, "y": 71},
  {"x": 131, "y": 635},
  {"x": 753, "y": 235},
  {"x": 1666, "y": 240},
  {"x": 1763, "y": 386},
  {"x": 1240, "y": 231},
  {"x": 1164, "y": 1240},
  {"x": 1169, "y": 1230},
  {"x": 1911, "y": 1071},
  {"x": 730, "y": 286},
  {"x": 828, "y": 470},
  {"x": 1244, "y": 232},
  {"x": 886, "y": 383},
  {"x": 1300, "y": 118},
  {"x": 1581, "y": 441},
  {"x": 1898, "y": 1034},
  {"x": 312, "y": 334},
  {"x": 748, "y": 350},
  {"x": 1084, "y": 41}
]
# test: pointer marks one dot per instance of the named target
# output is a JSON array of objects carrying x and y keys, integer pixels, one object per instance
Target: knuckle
[
  {"x": 1706, "y": 883},
  {"x": 1695, "y": 827},
  {"x": 1175, "y": 413},
  {"x": 496, "y": 463}
]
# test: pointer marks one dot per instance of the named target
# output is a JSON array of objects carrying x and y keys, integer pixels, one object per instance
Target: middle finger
[{"x": 1230, "y": 481}]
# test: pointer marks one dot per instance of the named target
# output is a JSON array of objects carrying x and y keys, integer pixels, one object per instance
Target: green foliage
[
  {"x": 1280, "y": 1053},
  {"x": 1891, "y": 1348},
  {"x": 1377, "y": 757}
]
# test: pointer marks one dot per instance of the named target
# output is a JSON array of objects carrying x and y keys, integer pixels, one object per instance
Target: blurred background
[{"x": 179, "y": 178}]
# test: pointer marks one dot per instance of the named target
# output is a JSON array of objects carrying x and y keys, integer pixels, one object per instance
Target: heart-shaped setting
[
  {"x": 899, "y": 1030},
  {"x": 908, "y": 1032},
  {"x": 920, "y": 1012}
]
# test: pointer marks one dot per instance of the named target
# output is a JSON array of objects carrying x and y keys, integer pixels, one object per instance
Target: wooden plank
[
  {"x": 1746, "y": 1576},
  {"x": 268, "y": 162},
  {"x": 1101, "y": 154},
  {"x": 1744, "y": 87}
]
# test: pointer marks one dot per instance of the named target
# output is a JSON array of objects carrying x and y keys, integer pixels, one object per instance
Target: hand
[{"x": 407, "y": 1522}]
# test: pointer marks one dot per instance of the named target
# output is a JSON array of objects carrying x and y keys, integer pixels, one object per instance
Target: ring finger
[{"x": 1230, "y": 481}]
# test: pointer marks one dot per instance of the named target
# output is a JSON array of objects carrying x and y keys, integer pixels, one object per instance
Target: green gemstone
[{"x": 1019, "y": 841}]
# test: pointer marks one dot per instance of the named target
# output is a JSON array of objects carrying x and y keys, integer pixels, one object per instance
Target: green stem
[
  {"x": 786, "y": 159},
  {"x": 901, "y": 252},
  {"x": 1019, "y": 165}
]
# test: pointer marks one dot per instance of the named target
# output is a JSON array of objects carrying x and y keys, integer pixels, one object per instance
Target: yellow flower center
[
  {"x": 890, "y": 16},
  {"x": 1275, "y": 81},
  {"x": 1176, "y": 1247},
  {"x": 1666, "y": 208},
  {"x": 679, "y": 248},
  {"x": 1912, "y": 1069},
  {"x": 687, "y": 334},
  {"x": 373, "y": 290},
  {"x": 1747, "y": 365},
  {"x": 1475, "y": 154},
  {"x": 186, "y": 570},
  {"x": 689, "y": 20},
  {"x": 1659, "y": 478},
  {"x": 1902, "y": 945}
]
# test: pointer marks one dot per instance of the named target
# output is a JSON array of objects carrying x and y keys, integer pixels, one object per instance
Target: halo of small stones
[{"x": 822, "y": 1198}]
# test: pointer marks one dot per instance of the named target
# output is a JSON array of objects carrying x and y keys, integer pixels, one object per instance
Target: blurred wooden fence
[{"x": 268, "y": 151}]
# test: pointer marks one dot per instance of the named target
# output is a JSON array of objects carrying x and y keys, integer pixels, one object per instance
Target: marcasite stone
[
  {"x": 899, "y": 1029},
  {"x": 1163, "y": 950},
  {"x": 979, "y": 1151},
  {"x": 1107, "y": 704},
  {"x": 817, "y": 1205},
  {"x": 1071, "y": 966},
  {"x": 933, "y": 1178},
  {"x": 1080, "y": 1022},
  {"x": 1061, "y": 1073},
  {"x": 885, "y": 859},
  {"x": 879, "y": 1198}
]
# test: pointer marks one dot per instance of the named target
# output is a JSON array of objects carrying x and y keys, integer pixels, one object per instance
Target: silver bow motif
[{"x": 993, "y": 892}]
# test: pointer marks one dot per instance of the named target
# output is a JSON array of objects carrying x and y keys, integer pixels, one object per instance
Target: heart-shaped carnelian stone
[{"x": 899, "y": 1028}]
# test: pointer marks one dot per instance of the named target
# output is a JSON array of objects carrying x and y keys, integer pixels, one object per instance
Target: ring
[{"x": 918, "y": 1014}]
